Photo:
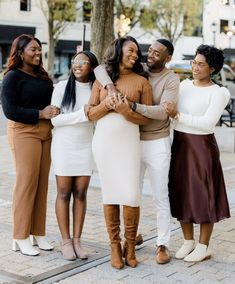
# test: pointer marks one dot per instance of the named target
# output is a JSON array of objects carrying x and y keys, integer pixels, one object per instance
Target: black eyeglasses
[{"x": 80, "y": 62}]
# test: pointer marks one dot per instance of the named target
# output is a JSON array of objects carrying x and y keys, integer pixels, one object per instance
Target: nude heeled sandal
[
  {"x": 67, "y": 249},
  {"x": 79, "y": 250},
  {"x": 25, "y": 247}
]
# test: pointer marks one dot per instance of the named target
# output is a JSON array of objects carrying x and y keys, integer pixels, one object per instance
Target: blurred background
[{"x": 66, "y": 26}]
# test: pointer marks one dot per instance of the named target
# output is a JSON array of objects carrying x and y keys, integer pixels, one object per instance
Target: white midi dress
[
  {"x": 116, "y": 149},
  {"x": 71, "y": 152}
]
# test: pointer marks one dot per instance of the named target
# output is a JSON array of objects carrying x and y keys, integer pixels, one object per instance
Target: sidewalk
[{"x": 49, "y": 267}]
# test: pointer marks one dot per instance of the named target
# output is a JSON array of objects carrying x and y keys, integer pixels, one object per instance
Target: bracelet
[{"x": 134, "y": 106}]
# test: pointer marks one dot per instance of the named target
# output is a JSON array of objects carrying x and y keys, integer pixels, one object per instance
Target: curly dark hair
[
  {"x": 214, "y": 56},
  {"x": 15, "y": 60},
  {"x": 113, "y": 57}
]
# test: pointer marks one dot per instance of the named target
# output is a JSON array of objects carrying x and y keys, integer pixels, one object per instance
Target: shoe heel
[
  {"x": 24, "y": 246},
  {"x": 15, "y": 246},
  {"x": 32, "y": 240},
  {"x": 207, "y": 257},
  {"x": 124, "y": 249}
]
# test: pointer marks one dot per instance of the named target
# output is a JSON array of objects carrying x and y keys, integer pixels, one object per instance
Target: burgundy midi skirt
[{"x": 196, "y": 183}]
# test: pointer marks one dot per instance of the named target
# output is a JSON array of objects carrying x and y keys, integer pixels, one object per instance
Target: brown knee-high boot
[
  {"x": 112, "y": 219},
  {"x": 131, "y": 217}
]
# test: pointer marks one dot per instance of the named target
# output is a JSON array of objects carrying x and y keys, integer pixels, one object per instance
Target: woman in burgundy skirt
[{"x": 196, "y": 183}]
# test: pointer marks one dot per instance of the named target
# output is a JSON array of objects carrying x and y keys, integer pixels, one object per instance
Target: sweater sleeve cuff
[
  {"x": 102, "y": 76},
  {"x": 141, "y": 109}
]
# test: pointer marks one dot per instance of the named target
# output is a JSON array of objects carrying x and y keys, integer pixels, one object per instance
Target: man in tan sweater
[{"x": 155, "y": 137}]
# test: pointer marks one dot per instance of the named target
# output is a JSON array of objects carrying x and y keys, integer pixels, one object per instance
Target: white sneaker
[
  {"x": 200, "y": 253},
  {"x": 185, "y": 249},
  {"x": 41, "y": 242},
  {"x": 24, "y": 246}
]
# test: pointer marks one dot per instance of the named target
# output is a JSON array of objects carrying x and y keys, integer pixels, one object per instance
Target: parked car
[{"x": 226, "y": 77}]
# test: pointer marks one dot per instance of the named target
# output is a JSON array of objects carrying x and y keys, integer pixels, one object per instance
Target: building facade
[{"x": 26, "y": 16}]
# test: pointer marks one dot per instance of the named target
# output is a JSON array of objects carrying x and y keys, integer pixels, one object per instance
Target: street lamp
[
  {"x": 214, "y": 29},
  {"x": 230, "y": 34}
]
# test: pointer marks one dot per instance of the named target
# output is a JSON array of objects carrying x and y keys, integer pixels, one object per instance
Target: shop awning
[
  {"x": 69, "y": 46},
  {"x": 9, "y": 33}
]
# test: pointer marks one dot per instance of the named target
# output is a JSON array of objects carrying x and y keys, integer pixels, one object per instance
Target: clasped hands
[
  {"x": 49, "y": 112},
  {"x": 116, "y": 101},
  {"x": 170, "y": 108}
]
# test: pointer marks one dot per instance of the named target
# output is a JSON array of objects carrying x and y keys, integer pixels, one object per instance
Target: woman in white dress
[
  {"x": 71, "y": 150},
  {"x": 116, "y": 144}
]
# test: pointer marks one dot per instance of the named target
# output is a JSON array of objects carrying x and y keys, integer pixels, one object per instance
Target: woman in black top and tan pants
[{"x": 26, "y": 96}]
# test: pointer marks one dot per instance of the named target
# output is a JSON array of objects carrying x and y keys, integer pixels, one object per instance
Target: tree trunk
[
  {"x": 51, "y": 49},
  {"x": 102, "y": 32}
]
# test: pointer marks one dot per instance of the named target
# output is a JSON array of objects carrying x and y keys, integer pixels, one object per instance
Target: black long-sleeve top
[{"x": 24, "y": 95}]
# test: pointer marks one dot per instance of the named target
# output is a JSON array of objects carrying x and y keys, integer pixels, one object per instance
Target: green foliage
[
  {"x": 147, "y": 19},
  {"x": 129, "y": 8},
  {"x": 58, "y": 14},
  {"x": 192, "y": 16},
  {"x": 170, "y": 17},
  {"x": 62, "y": 10}
]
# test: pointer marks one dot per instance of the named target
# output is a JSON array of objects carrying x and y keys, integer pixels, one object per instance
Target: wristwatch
[{"x": 133, "y": 106}]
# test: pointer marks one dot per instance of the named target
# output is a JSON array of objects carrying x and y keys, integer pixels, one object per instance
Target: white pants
[{"x": 155, "y": 157}]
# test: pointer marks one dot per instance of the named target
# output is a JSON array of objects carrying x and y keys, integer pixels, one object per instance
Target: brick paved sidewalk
[{"x": 16, "y": 268}]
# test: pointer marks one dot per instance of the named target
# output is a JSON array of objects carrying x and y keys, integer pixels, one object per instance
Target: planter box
[{"x": 225, "y": 137}]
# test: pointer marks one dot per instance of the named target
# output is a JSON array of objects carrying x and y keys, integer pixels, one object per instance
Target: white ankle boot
[
  {"x": 41, "y": 242},
  {"x": 185, "y": 249},
  {"x": 25, "y": 247},
  {"x": 200, "y": 253}
]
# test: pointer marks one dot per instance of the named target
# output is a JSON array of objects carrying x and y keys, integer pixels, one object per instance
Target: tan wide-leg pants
[{"x": 30, "y": 146}]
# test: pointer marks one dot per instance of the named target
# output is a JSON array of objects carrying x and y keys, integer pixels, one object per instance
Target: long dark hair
[
  {"x": 15, "y": 60},
  {"x": 69, "y": 98},
  {"x": 113, "y": 57}
]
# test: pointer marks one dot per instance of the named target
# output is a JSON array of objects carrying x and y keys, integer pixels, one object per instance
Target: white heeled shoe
[
  {"x": 25, "y": 247},
  {"x": 200, "y": 253},
  {"x": 187, "y": 247},
  {"x": 41, "y": 242}
]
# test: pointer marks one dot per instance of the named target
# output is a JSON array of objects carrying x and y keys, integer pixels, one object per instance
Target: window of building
[
  {"x": 223, "y": 26},
  {"x": 25, "y": 5}
]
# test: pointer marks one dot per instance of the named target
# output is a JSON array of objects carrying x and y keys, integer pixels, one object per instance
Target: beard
[{"x": 155, "y": 65}]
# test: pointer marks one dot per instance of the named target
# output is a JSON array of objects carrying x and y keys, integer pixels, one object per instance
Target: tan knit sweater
[
  {"x": 165, "y": 85},
  {"x": 136, "y": 89}
]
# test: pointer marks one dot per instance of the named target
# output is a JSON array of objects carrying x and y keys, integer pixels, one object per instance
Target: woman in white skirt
[
  {"x": 116, "y": 143},
  {"x": 71, "y": 150}
]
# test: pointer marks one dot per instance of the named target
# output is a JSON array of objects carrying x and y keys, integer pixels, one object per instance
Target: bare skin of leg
[
  {"x": 187, "y": 229},
  {"x": 80, "y": 187},
  {"x": 205, "y": 233},
  {"x": 64, "y": 189}
]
